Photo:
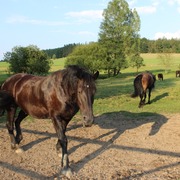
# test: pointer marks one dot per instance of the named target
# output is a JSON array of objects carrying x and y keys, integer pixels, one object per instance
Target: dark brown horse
[
  {"x": 160, "y": 76},
  {"x": 142, "y": 82},
  {"x": 58, "y": 96}
]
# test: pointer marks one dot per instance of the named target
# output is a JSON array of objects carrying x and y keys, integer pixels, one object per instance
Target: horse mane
[{"x": 70, "y": 77}]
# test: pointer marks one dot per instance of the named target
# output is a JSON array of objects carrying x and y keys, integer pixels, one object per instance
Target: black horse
[
  {"x": 142, "y": 82},
  {"x": 58, "y": 96}
]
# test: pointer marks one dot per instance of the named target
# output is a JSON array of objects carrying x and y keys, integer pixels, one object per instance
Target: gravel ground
[{"x": 123, "y": 148}]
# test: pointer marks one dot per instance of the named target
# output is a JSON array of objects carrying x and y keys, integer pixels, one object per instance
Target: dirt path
[{"x": 123, "y": 148}]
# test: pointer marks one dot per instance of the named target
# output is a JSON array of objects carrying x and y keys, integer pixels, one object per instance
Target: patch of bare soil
[{"x": 146, "y": 148}]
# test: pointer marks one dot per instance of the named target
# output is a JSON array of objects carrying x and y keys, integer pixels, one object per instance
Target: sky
[{"x": 51, "y": 24}]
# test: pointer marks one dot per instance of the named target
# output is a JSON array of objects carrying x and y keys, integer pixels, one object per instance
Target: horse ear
[
  {"x": 79, "y": 74},
  {"x": 95, "y": 75}
]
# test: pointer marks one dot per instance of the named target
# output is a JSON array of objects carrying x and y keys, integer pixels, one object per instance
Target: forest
[{"x": 146, "y": 46}]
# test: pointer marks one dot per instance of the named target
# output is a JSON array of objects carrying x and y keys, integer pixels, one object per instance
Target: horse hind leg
[
  {"x": 149, "y": 96},
  {"x": 20, "y": 117},
  {"x": 10, "y": 125},
  {"x": 141, "y": 103},
  {"x": 144, "y": 100}
]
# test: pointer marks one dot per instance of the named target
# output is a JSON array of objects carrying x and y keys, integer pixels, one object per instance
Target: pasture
[
  {"x": 126, "y": 142},
  {"x": 113, "y": 94}
]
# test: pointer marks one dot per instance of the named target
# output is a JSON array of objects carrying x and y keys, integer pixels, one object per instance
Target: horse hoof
[
  {"x": 13, "y": 146},
  {"x": 67, "y": 172},
  {"x": 19, "y": 150}
]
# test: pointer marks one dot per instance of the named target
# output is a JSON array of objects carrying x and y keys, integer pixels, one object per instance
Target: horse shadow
[
  {"x": 124, "y": 120},
  {"x": 118, "y": 123},
  {"x": 159, "y": 97}
]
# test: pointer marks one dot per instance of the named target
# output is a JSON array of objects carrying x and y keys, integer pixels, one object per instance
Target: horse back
[
  {"x": 29, "y": 93},
  {"x": 147, "y": 80}
]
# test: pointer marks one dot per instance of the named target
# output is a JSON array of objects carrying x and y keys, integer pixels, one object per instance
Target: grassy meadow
[{"x": 113, "y": 94}]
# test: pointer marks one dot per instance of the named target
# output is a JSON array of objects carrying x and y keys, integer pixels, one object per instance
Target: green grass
[
  {"x": 113, "y": 94},
  {"x": 57, "y": 64},
  {"x": 3, "y": 71}
]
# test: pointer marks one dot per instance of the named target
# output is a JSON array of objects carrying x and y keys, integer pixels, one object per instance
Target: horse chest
[{"x": 69, "y": 110}]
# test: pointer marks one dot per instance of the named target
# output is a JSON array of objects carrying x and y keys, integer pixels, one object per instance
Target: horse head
[{"x": 85, "y": 96}]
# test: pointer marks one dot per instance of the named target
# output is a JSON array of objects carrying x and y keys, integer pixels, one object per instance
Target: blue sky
[{"x": 51, "y": 24}]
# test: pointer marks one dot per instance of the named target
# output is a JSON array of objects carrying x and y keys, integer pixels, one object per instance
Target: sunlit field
[
  {"x": 57, "y": 64},
  {"x": 113, "y": 94}
]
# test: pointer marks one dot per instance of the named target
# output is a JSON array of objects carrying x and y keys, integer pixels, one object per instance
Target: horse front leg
[
  {"x": 60, "y": 127},
  {"x": 10, "y": 125}
]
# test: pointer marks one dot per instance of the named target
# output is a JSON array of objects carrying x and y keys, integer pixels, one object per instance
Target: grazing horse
[
  {"x": 160, "y": 76},
  {"x": 142, "y": 82},
  {"x": 178, "y": 73},
  {"x": 58, "y": 96}
]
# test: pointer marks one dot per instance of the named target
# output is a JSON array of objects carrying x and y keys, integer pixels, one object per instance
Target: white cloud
[
  {"x": 146, "y": 9},
  {"x": 88, "y": 15},
  {"x": 26, "y": 20},
  {"x": 173, "y": 2},
  {"x": 168, "y": 35}
]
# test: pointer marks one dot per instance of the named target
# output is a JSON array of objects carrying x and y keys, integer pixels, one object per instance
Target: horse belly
[
  {"x": 36, "y": 111},
  {"x": 32, "y": 105}
]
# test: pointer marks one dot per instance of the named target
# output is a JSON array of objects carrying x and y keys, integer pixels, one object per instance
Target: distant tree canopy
[
  {"x": 160, "y": 45},
  {"x": 61, "y": 51},
  {"x": 28, "y": 60},
  {"x": 145, "y": 46}
]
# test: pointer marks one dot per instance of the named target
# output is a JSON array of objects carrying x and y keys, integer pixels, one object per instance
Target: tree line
[
  {"x": 161, "y": 45},
  {"x": 61, "y": 51}
]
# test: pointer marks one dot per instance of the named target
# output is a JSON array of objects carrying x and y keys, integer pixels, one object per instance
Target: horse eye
[{"x": 87, "y": 86}]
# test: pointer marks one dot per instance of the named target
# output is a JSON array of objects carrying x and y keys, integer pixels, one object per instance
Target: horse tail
[
  {"x": 137, "y": 86},
  {"x": 6, "y": 100}
]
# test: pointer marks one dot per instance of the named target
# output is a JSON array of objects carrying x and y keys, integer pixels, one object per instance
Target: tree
[
  {"x": 88, "y": 56},
  {"x": 28, "y": 60},
  {"x": 137, "y": 61},
  {"x": 118, "y": 32}
]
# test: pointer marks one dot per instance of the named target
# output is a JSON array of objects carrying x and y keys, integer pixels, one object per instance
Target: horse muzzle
[{"x": 88, "y": 121}]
